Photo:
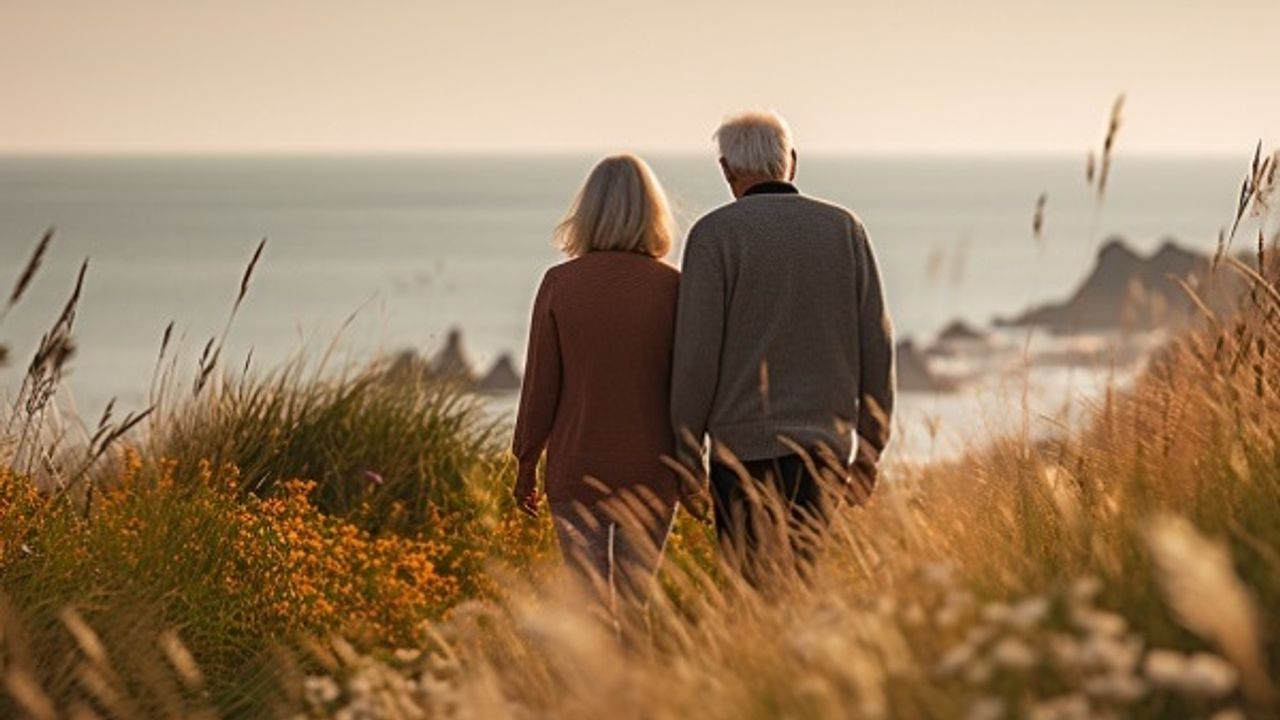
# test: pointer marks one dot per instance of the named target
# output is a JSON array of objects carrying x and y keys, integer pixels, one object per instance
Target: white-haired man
[{"x": 783, "y": 353}]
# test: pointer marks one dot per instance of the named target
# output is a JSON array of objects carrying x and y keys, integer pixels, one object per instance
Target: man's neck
[{"x": 770, "y": 187}]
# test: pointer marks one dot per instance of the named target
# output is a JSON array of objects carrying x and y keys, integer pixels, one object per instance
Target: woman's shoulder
[{"x": 595, "y": 262}]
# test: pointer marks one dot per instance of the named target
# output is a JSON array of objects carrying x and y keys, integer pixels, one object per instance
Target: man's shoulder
[
  {"x": 746, "y": 208},
  {"x": 715, "y": 219},
  {"x": 834, "y": 209}
]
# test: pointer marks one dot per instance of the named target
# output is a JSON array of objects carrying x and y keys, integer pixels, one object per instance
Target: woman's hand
[{"x": 526, "y": 494}]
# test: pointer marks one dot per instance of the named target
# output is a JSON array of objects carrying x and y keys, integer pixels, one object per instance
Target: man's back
[{"x": 781, "y": 329}]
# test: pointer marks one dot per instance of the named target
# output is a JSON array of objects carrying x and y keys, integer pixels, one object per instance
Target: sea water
[{"x": 413, "y": 246}]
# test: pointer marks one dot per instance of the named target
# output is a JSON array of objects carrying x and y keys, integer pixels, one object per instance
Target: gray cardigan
[{"x": 781, "y": 330}]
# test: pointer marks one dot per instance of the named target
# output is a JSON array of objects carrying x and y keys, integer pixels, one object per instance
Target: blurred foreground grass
[{"x": 314, "y": 544}]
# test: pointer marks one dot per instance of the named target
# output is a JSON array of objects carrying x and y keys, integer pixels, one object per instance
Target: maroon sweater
[{"x": 598, "y": 377}]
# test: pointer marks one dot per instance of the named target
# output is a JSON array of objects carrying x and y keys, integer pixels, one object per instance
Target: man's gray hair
[{"x": 757, "y": 142}]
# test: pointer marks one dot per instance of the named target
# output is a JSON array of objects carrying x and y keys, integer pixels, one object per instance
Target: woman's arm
[{"x": 539, "y": 395}]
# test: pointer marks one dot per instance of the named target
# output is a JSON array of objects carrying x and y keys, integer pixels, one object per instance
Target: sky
[{"x": 897, "y": 76}]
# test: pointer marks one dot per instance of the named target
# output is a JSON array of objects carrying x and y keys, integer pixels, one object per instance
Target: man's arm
[
  {"x": 695, "y": 369},
  {"x": 875, "y": 338}
]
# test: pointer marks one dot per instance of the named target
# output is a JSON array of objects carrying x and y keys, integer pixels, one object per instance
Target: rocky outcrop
[
  {"x": 959, "y": 338},
  {"x": 451, "y": 364},
  {"x": 1127, "y": 291},
  {"x": 914, "y": 374},
  {"x": 961, "y": 331},
  {"x": 502, "y": 377}
]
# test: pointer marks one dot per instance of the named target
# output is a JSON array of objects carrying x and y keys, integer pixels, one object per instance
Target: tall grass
[{"x": 341, "y": 544}]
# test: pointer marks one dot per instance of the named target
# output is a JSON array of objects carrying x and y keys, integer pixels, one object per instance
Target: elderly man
[{"x": 783, "y": 354}]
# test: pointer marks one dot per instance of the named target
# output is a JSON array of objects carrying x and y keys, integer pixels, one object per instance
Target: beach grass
[{"x": 340, "y": 543}]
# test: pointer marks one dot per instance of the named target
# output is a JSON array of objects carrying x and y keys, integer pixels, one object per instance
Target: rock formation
[
  {"x": 451, "y": 363},
  {"x": 501, "y": 378},
  {"x": 914, "y": 374},
  {"x": 1127, "y": 291}
]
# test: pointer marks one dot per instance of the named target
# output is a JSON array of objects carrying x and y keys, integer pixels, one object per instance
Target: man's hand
[
  {"x": 526, "y": 494},
  {"x": 862, "y": 478}
]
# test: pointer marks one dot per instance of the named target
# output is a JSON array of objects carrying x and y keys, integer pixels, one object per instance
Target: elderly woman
[{"x": 597, "y": 381}]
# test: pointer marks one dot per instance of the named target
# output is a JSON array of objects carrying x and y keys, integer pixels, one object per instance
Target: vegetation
[{"x": 311, "y": 544}]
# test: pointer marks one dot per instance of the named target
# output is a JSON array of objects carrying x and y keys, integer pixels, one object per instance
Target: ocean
[{"x": 416, "y": 245}]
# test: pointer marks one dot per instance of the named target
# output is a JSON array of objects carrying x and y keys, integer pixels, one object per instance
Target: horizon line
[{"x": 549, "y": 153}]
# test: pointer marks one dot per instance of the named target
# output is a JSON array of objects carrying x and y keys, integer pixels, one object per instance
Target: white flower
[
  {"x": 1116, "y": 687},
  {"x": 1013, "y": 654},
  {"x": 978, "y": 672},
  {"x": 1086, "y": 589},
  {"x": 1065, "y": 651},
  {"x": 914, "y": 615},
  {"x": 939, "y": 574},
  {"x": 956, "y": 659},
  {"x": 1099, "y": 622},
  {"x": 319, "y": 690},
  {"x": 980, "y": 635},
  {"x": 1028, "y": 613},
  {"x": 1201, "y": 675},
  {"x": 1112, "y": 654},
  {"x": 407, "y": 655},
  {"x": 995, "y": 613},
  {"x": 948, "y": 616},
  {"x": 1064, "y": 707},
  {"x": 1209, "y": 676},
  {"x": 987, "y": 708},
  {"x": 1165, "y": 667}
]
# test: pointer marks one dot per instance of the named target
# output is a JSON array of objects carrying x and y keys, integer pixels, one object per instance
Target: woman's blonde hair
[{"x": 621, "y": 207}]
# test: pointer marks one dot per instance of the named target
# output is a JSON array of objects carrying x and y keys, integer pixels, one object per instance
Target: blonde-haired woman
[{"x": 597, "y": 381}]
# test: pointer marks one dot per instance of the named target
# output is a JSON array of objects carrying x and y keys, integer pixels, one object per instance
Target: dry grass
[{"x": 1127, "y": 568}]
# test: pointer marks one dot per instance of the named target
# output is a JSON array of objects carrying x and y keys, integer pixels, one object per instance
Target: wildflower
[
  {"x": 980, "y": 635},
  {"x": 320, "y": 690},
  {"x": 1201, "y": 675},
  {"x": 1099, "y": 622},
  {"x": 939, "y": 574},
  {"x": 995, "y": 613},
  {"x": 1208, "y": 675},
  {"x": 914, "y": 615},
  {"x": 978, "y": 672},
  {"x": 1164, "y": 667},
  {"x": 1116, "y": 687},
  {"x": 1064, "y": 707},
  {"x": 1086, "y": 589},
  {"x": 1013, "y": 654},
  {"x": 1065, "y": 651},
  {"x": 1028, "y": 613},
  {"x": 1111, "y": 654},
  {"x": 987, "y": 708},
  {"x": 407, "y": 655},
  {"x": 948, "y": 616},
  {"x": 956, "y": 659}
]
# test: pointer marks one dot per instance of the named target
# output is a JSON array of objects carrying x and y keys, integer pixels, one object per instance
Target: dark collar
[{"x": 772, "y": 187}]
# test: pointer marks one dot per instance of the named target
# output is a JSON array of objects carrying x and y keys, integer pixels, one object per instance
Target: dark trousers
[{"x": 770, "y": 522}]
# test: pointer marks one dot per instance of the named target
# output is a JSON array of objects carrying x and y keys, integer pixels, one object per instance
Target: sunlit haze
[{"x": 1005, "y": 76}]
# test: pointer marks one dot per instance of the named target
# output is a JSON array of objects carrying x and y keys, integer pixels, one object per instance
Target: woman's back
[
  {"x": 615, "y": 318},
  {"x": 598, "y": 380},
  {"x": 599, "y": 377}
]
